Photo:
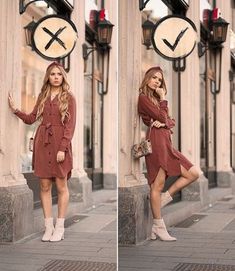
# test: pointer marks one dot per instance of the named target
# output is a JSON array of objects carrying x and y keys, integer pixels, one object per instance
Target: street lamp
[
  {"x": 219, "y": 31},
  {"x": 102, "y": 39},
  {"x": 104, "y": 32},
  {"x": 29, "y": 32},
  {"x": 147, "y": 28}
]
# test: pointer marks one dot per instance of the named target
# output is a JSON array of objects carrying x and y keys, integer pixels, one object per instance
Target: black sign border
[
  {"x": 158, "y": 23},
  {"x": 43, "y": 19}
]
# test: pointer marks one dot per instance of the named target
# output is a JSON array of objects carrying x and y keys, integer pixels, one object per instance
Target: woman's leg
[
  {"x": 187, "y": 177},
  {"x": 158, "y": 228},
  {"x": 155, "y": 193},
  {"x": 63, "y": 196},
  {"x": 45, "y": 195},
  {"x": 63, "y": 199}
]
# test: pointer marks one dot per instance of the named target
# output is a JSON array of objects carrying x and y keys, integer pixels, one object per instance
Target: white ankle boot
[
  {"x": 59, "y": 230},
  {"x": 165, "y": 198},
  {"x": 159, "y": 230},
  {"x": 49, "y": 229}
]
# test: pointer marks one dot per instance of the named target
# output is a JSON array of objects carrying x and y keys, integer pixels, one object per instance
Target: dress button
[
  {"x": 49, "y": 152},
  {"x": 49, "y": 162}
]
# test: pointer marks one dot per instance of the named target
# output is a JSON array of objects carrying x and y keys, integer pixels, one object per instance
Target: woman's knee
[
  {"x": 194, "y": 174},
  {"x": 157, "y": 187},
  {"x": 62, "y": 187},
  {"x": 45, "y": 188}
]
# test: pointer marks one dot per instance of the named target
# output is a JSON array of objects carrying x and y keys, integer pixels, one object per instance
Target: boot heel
[{"x": 153, "y": 236}]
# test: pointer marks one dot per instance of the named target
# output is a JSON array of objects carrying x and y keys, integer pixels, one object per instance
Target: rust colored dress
[
  {"x": 164, "y": 155},
  {"x": 52, "y": 136}
]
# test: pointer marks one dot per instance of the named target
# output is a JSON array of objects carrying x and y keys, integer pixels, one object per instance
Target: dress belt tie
[{"x": 48, "y": 133}]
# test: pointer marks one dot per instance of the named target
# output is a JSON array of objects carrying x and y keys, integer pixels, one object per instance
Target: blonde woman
[
  {"x": 164, "y": 161},
  {"x": 52, "y": 152}
]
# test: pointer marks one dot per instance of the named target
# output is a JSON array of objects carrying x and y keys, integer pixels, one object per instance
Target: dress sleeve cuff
[{"x": 163, "y": 103}]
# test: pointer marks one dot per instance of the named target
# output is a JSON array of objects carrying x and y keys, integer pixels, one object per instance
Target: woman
[
  {"x": 52, "y": 152},
  {"x": 164, "y": 161}
]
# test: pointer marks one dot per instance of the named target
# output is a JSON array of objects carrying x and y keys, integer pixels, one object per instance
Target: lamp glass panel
[
  {"x": 147, "y": 35},
  {"x": 104, "y": 35}
]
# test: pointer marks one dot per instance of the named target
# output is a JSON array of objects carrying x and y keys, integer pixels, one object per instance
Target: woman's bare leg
[
  {"x": 63, "y": 196},
  {"x": 187, "y": 177},
  {"x": 155, "y": 193},
  {"x": 45, "y": 195}
]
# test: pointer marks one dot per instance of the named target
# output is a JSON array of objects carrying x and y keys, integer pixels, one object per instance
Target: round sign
[
  {"x": 54, "y": 37},
  {"x": 174, "y": 37}
]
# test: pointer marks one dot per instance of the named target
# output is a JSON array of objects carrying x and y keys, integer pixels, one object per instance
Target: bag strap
[{"x": 135, "y": 131}]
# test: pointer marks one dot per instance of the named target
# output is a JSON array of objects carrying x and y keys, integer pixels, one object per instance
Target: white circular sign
[
  {"x": 54, "y": 37},
  {"x": 174, "y": 37}
]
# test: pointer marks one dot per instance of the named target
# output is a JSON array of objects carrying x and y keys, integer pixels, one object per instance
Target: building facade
[
  {"x": 204, "y": 114},
  {"x": 93, "y": 82}
]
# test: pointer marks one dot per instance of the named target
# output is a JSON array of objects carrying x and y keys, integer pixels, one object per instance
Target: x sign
[{"x": 54, "y": 37}]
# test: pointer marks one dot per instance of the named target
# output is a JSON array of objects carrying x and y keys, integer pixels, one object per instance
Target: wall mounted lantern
[
  {"x": 219, "y": 31},
  {"x": 103, "y": 36},
  {"x": 29, "y": 32},
  {"x": 147, "y": 28},
  {"x": 217, "y": 35},
  {"x": 104, "y": 32},
  {"x": 23, "y": 6},
  {"x": 102, "y": 39}
]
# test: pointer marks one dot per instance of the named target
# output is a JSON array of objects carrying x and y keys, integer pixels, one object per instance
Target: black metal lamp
[
  {"x": 104, "y": 32},
  {"x": 147, "y": 28},
  {"x": 103, "y": 38},
  {"x": 28, "y": 32},
  {"x": 219, "y": 31}
]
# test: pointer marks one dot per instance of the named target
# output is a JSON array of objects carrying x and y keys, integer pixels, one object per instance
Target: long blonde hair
[
  {"x": 63, "y": 95},
  {"x": 152, "y": 95}
]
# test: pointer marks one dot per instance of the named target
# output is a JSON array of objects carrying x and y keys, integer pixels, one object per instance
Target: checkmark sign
[{"x": 172, "y": 47}]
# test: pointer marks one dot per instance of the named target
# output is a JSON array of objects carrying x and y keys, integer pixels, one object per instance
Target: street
[
  {"x": 89, "y": 243},
  {"x": 208, "y": 238}
]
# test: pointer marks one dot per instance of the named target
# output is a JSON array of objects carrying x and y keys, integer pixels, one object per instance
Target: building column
[
  {"x": 80, "y": 185},
  {"x": 16, "y": 199},
  {"x": 190, "y": 113},
  {"x": 134, "y": 212},
  {"x": 225, "y": 176},
  {"x": 110, "y": 119}
]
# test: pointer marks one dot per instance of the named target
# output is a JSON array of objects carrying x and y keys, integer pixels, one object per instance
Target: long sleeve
[
  {"x": 69, "y": 125},
  {"x": 148, "y": 110},
  {"x": 170, "y": 123},
  {"x": 28, "y": 118}
]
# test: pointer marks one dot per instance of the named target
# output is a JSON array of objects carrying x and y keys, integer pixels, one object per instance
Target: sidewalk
[
  {"x": 89, "y": 241},
  {"x": 206, "y": 241}
]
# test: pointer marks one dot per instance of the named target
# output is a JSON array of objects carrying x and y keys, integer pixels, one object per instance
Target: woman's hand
[
  {"x": 60, "y": 156},
  {"x": 11, "y": 103},
  {"x": 161, "y": 92},
  {"x": 158, "y": 124}
]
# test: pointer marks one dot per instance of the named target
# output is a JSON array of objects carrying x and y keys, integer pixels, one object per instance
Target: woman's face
[
  {"x": 55, "y": 77},
  {"x": 155, "y": 81}
]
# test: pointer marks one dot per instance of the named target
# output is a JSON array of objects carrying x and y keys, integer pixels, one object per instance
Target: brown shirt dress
[
  {"x": 163, "y": 155},
  {"x": 52, "y": 136}
]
